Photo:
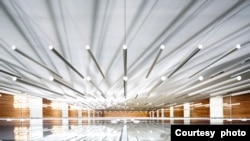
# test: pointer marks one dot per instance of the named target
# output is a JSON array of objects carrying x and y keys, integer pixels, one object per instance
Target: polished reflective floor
[{"x": 84, "y": 130}]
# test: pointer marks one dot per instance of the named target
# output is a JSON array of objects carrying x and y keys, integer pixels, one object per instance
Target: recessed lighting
[
  {"x": 88, "y": 78},
  {"x": 87, "y": 47},
  {"x": 125, "y": 78},
  {"x": 14, "y": 78},
  {"x": 238, "y": 46},
  {"x": 200, "y": 46},
  {"x": 201, "y": 78},
  {"x": 124, "y": 47},
  {"x": 163, "y": 78},
  {"x": 51, "y": 78},
  {"x": 13, "y": 47},
  {"x": 51, "y": 47},
  {"x": 162, "y": 47},
  {"x": 238, "y": 78}
]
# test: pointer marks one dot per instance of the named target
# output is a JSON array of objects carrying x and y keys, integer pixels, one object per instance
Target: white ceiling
[{"x": 143, "y": 25}]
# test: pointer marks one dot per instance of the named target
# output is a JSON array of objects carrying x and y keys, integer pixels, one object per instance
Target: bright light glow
[
  {"x": 55, "y": 105},
  {"x": 163, "y": 78},
  {"x": 51, "y": 78},
  {"x": 88, "y": 78},
  {"x": 200, "y": 46},
  {"x": 20, "y": 101},
  {"x": 124, "y": 47},
  {"x": 238, "y": 46},
  {"x": 51, "y": 47},
  {"x": 13, "y": 47},
  {"x": 136, "y": 121},
  {"x": 87, "y": 47},
  {"x": 125, "y": 78},
  {"x": 14, "y": 78},
  {"x": 22, "y": 119},
  {"x": 238, "y": 78},
  {"x": 8, "y": 119},
  {"x": 162, "y": 47},
  {"x": 201, "y": 78}
]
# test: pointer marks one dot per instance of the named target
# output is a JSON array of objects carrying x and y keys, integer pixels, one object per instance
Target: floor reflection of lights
[{"x": 134, "y": 130}]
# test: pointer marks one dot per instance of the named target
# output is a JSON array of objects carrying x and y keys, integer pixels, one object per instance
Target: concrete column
[
  {"x": 162, "y": 112},
  {"x": 65, "y": 115},
  {"x": 216, "y": 110},
  {"x": 79, "y": 115},
  {"x": 36, "y": 117},
  {"x": 157, "y": 113},
  {"x": 89, "y": 115},
  {"x": 171, "y": 115},
  {"x": 186, "y": 113}
]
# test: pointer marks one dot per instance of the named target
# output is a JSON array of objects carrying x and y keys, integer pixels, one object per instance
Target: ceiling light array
[
  {"x": 238, "y": 46},
  {"x": 201, "y": 78},
  {"x": 125, "y": 78}
]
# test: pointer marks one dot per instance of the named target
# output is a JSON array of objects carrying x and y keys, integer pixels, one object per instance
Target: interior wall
[
  {"x": 126, "y": 114},
  {"x": 51, "y": 111},
  {"x": 200, "y": 109},
  {"x": 14, "y": 106},
  {"x": 167, "y": 114},
  {"x": 179, "y": 113},
  {"x": 236, "y": 107},
  {"x": 73, "y": 114}
]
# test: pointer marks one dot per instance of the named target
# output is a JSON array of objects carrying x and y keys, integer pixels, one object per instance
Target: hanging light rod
[
  {"x": 125, "y": 59},
  {"x": 93, "y": 57},
  {"x": 102, "y": 93},
  {"x": 186, "y": 60},
  {"x": 33, "y": 60},
  {"x": 125, "y": 79},
  {"x": 61, "y": 83},
  {"x": 155, "y": 60},
  {"x": 125, "y": 70},
  {"x": 65, "y": 61},
  {"x": 216, "y": 74},
  {"x": 34, "y": 85},
  {"x": 218, "y": 59},
  {"x": 20, "y": 68},
  {"x": 10, "y": 74},
  {"x": 163, "y": 78}
]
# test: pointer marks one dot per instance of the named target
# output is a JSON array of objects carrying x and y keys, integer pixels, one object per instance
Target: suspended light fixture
[
  {"x": 33, "y": 60},
  {"x": 93, "y": 57},
  {"x": 9, "y": 73},
  {"x": 34, "y": 85},
  {"x": 102, "y": 93},
  {"x": 61, "y": 83},
  {"x": 65, "y": 61},
  {"x": 155, "y": 60},
  {"x": 218, "y": 59},
  {"x": 186, "y": 60}
]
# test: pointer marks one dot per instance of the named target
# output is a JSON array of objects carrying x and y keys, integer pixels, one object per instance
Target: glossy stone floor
[{"x": 84, "y": 130}]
